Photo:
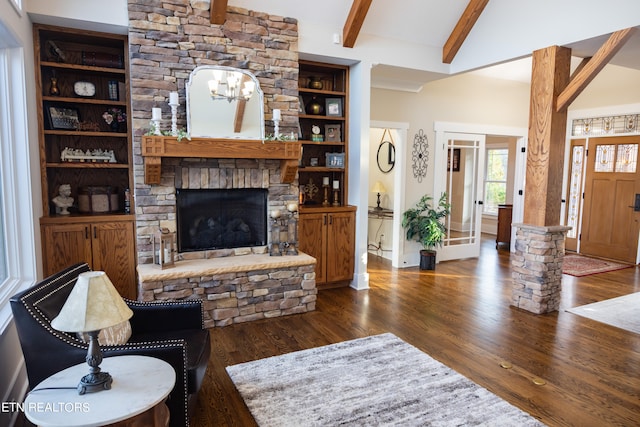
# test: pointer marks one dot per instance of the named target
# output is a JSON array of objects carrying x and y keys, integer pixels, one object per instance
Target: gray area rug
[
  {"x": 622, "y": 312},
  {"x": 374, "y": 381}
]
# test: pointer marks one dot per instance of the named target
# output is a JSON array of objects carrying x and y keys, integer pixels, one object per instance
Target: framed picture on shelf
[
  {"x": 301, "y": 109},
  {"x": 453, "y": 165},
  {"x": 62, "y": 117},
  {"x": 335, "y": 160},
  {"x": 333, "y": 107},
  {"x": 332, "y": 133}
]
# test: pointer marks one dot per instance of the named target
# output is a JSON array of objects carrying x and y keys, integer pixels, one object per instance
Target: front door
[
  {"x": 464, "y": 156},
  {"x": 611, "y": 208}
]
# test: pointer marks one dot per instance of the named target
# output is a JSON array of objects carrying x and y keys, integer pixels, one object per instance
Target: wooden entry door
[{"x": 610, "y": 221}]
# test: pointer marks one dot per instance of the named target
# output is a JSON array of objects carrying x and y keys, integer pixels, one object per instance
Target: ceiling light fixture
[{"x": 230, "y": 86}]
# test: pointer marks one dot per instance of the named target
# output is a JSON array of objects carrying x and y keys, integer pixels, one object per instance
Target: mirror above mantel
[{"x": 224, "y": 102}]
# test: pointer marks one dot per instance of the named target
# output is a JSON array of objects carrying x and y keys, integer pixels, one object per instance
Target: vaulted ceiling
[{"x": 439, "y": 24}]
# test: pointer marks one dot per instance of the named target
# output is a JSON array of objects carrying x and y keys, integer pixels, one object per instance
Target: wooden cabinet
[
  {"x": 84, "y": 136},
  {"x": 324, "y": 108},
  {"x": 104, "y": 243},
  {"x": 503, "y": 234},
  {"x": 329, "y": 237}
]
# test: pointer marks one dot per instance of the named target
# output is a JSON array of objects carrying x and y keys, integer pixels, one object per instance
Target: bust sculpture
[{"x": 63, "y": 200}]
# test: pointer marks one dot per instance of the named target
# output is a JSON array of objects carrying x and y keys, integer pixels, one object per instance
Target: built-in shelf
[{"x": 154, "y": 148}]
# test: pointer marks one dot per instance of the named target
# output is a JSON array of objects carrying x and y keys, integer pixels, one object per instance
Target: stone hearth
[{"x": 236, "y": 289}]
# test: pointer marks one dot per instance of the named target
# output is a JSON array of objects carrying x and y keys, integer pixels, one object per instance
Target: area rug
[
  {"x": 578, "y": 265},
  {"x": 374, "y": 381},
  {"x": 622, "y": 312}
]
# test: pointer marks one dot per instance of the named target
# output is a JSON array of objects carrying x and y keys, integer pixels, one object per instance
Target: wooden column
[{"x": 547, "y": 129}]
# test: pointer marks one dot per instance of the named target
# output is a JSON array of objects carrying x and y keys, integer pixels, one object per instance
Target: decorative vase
[
  {"x": 314, "y": 107},
  {"x": 315, "y": 83},
  {"x": 115, "y": 126},
  {"x": 53, "y": 89}
]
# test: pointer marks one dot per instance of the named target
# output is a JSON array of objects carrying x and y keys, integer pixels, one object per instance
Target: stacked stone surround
[
  {"x": 237, "y": 289},
  {"x": 537, "y": 267},
  {"x": 167, "y": 40}
]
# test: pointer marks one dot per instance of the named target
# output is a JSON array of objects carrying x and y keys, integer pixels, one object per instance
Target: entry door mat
[
  {"x": 578, "y": 265},
  {"x": 621, "y": 312},
  {"x": 374, "y": 381}
]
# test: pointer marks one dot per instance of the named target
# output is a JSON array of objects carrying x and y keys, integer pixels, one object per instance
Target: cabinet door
[
  {"x": 113, "y": 252},
  {"x": 64, "y": 245},
  {"x": 340, "y": 246},
  {"x": 312, "y": 240}
]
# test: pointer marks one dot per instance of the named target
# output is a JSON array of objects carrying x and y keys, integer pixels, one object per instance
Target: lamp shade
[
  {"x": 378, "y": 188},
  {"x": 93, "y": 304}
]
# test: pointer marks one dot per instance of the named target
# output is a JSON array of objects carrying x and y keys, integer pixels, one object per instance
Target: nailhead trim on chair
[{"x": 137, "y": 346}]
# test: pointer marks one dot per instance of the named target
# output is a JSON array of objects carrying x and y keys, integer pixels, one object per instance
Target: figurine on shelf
[{"x": 63, "y": 200}]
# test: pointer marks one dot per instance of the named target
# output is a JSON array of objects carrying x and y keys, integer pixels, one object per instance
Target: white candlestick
[
  {"x": 325, "y": 181},
  {"x": 173, "y": 98},
  {"x": 276, "y": 114},
  {"x": 156, "y": 113},
  {"x": 336, "y": 184}
]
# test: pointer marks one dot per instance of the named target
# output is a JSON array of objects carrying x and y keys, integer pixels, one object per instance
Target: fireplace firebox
[{"x": 221, "y": 218}]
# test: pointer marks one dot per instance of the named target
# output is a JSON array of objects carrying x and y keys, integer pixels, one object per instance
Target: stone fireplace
[{"x": 167, "y": 41}]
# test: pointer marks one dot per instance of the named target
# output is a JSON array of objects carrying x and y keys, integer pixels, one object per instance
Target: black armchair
[{"x": 172, "y": 331}]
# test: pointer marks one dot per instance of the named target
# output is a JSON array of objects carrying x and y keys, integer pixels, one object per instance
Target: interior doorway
[
  {"x": 387, "y": 141},
  {"x": 465, "y": 222}
]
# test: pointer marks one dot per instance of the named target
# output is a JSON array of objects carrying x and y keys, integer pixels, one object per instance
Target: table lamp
[
  {"x": 378, "y": 188},
  {"x": 93, "y": 304}
]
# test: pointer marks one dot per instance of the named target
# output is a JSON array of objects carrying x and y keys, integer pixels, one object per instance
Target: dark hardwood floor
[{"x": 461, "y": 315}]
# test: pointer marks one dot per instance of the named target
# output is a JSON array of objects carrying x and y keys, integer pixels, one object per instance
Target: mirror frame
[
  {"x": 391, "y": 156},
  {"x": 257, "y": 93}
]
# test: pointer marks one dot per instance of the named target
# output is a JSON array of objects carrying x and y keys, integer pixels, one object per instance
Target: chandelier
[{"x": 230, "y": 86}]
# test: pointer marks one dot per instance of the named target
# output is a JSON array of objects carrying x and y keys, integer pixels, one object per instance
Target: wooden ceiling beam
[
  {"x": 590, "y": 70},
  {"x": 354, "y": 22},
  {"x": 218, "y": 11},
  {"x": 462, "y": 29}
]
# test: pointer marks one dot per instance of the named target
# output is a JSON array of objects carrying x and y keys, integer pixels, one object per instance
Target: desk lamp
[
  {"x": 378, "y": 188},
  {"x": 93, "y": 304}
]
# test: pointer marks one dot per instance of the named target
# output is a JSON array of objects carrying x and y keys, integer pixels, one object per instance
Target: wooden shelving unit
[
  {"x": 326, "y": 230},
  {"x": 69, "y": 118}
]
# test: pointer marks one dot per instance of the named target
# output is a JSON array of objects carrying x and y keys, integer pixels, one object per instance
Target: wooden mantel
[{"x": 154, "y": 148}]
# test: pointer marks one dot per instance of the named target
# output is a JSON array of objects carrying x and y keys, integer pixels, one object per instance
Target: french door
[{"x": 462, "y": 167}]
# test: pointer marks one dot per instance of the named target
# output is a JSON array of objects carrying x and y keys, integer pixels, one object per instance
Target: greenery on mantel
[{"x": 180, "y": 135}]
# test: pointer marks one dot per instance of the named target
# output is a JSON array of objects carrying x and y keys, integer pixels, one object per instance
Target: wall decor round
[{"x": 420, "y": 155}]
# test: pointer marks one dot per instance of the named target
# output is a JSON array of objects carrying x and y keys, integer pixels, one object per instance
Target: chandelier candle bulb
[
  {"x": 275, "y": 214},
  {"x": 292, "y": 207}
]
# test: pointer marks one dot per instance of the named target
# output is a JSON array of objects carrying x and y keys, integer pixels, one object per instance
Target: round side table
[{"x": 140, "y": 386}]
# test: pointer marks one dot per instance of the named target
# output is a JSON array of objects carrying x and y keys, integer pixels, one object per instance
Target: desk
[
  {"x": 140, "y": 386},
  {"x": 380, "y": 213}
]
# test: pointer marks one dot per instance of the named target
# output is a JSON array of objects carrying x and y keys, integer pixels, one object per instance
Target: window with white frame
[
  {"x": 495, "y": 181},
  {"x": 18, "y": 241}
]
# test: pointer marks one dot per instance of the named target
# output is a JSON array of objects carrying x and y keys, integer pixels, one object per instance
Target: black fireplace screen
[{"x": 221, "y": 219}]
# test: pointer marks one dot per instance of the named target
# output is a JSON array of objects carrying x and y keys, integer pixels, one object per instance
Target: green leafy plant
[
  {"x": 423, "y": 222},
  {"x": 180, "y": 135}
]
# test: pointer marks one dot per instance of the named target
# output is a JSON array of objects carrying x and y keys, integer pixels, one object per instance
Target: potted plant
[{"x": 424, "y": 223}]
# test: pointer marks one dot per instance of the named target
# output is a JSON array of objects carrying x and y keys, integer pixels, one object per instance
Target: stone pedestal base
[{"x": 537, "y": 267}]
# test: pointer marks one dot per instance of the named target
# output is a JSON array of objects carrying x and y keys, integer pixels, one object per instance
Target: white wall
[{"x": 463, "y": 99}]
